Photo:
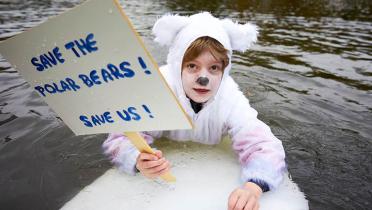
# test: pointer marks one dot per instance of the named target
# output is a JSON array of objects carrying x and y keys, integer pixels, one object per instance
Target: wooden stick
[{"x": 140, "y": 143}]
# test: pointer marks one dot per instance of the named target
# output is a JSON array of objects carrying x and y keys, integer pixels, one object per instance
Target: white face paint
[{"x": 205, "y": 65}]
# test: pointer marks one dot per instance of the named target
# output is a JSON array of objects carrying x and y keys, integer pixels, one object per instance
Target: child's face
[{"x": 201, "y": 77}]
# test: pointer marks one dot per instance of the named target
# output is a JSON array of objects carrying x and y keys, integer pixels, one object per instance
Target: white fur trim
[
  {"x": 263, "y": 170},
  {"x": 241, "y": 36},
  {"x": 127, "y": 159},
  {"x": 167, "y": 27}
]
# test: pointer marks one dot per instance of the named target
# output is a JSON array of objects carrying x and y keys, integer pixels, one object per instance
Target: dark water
[{"x": 309, "y": 77}]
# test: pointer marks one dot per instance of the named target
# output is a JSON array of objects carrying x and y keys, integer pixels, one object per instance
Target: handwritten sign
[{"x": 92, "y": 68}]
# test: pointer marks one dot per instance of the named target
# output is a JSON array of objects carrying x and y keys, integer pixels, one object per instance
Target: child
[{"x": 197, "y": 70}]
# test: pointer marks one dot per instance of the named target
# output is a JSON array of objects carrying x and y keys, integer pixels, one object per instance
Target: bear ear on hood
[
  {"x": 242, "y": 36},
  {"x": 167, "y": 27}
]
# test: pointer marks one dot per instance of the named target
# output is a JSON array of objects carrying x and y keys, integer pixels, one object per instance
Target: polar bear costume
[{"x": 228, "y": 112}]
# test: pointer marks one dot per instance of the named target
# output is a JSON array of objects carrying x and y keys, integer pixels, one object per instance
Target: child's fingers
[
  {"x": 232, "y": 200},
  {"x": 242, "y": 201},
  {"x": 156, "y": 169},
  {"x": 165, "y": 170},
  {"x": 257, "y": 206},
  {"x": 151, "y": 164},
  {"x": 147, "y": 156},
  {"x": 159, "y": 153},
  {"x": 250, "y": 204}
]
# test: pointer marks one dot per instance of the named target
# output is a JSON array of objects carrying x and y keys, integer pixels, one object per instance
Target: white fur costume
[{"x": 260, "y": 153}]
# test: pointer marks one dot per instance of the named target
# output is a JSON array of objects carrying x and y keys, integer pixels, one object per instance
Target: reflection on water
[
  {"x": 309, "y": 77},
  {"x": 349, "y": 10}
]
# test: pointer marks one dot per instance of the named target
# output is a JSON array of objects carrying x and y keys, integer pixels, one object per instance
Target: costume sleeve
[
  {"x": 260, "y": 153},
  {"x": 122, "y": 153}
]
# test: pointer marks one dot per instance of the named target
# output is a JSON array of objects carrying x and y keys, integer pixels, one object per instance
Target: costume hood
[{"x": 178, "y": 32}]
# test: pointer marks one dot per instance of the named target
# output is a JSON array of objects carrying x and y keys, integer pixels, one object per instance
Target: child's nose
[{"x": 203, "y": 81}]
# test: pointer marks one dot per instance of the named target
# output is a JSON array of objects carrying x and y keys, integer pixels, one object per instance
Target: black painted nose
[{"x": 203, "y": 81}]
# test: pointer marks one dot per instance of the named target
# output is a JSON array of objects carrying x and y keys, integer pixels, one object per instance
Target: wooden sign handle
[{"x": 140, "y": 143}]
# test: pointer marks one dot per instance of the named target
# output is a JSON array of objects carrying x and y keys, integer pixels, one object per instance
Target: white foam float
[{"x": 206, "y": 175}]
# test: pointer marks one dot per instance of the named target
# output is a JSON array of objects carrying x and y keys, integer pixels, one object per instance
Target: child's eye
[
  {"x": 215, "y": 68},
  {"x": 191, "y": 66}
]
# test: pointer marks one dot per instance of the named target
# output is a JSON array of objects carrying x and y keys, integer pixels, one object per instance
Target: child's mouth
[{"x": 201, "y": 91}]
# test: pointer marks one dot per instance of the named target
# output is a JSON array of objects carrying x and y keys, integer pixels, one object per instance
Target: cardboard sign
[{"x": 93, "y": 70}]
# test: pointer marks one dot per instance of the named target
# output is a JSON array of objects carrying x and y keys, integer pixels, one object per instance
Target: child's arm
[
  {"x": 122, "y": 152},
  {"x": 260, "y": 153}
]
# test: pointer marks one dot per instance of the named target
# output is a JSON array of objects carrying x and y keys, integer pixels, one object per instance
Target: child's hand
[
  {"x": 245, "y": 198},
  {"x": 152, "y": 166}
]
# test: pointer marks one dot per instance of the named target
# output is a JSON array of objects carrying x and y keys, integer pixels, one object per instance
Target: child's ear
[
  {"x": 167, "y": 27},
  {"x": 242, "y": 36}
]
